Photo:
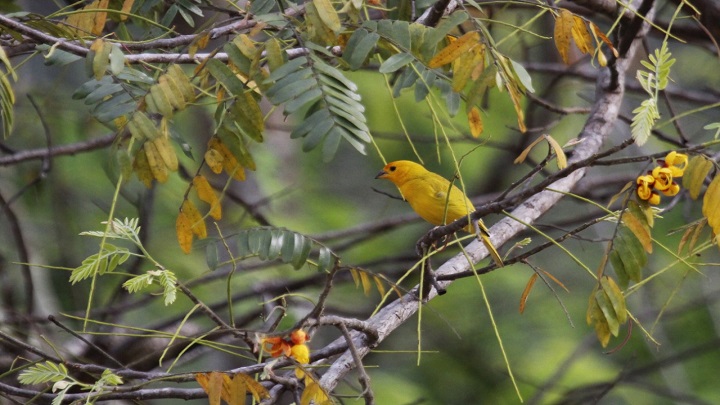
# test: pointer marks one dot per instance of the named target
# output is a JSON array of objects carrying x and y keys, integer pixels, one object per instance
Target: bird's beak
[{"x": 381, "y": 175}]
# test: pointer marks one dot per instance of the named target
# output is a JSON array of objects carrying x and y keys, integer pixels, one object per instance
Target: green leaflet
[
  {"x": 270, "y": 243},
  {"x": 628, "y": 257},
  {"x": 334, "y": 111},
  {"x": 358, "y": 48}
]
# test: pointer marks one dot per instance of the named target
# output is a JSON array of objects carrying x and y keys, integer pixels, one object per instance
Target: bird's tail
[{"x": 484, "y": 236}]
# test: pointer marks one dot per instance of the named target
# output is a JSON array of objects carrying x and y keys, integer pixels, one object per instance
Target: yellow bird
[{"x": 426, "y": 192}]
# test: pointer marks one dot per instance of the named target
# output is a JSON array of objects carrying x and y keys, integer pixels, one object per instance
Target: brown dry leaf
[
  {"x": 207, "y": 194},
  {"x": 183, "y": 230},
  {"x": 455, "y": 49},
  {"x": 475, "y": 122},
  {"x": 599, "y": 34},
  {"x": 526, "y": 292},
  {"x": 563, "y": 32}
]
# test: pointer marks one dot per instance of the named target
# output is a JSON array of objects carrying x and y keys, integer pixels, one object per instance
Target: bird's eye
[{"x": 392, "y": 168}]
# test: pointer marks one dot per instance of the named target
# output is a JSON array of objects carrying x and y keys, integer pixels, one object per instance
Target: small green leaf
[
  {"x": 222, "y": 73},
  {"x": 326, "y": 260},
  {"x": 396, "y": 62}
]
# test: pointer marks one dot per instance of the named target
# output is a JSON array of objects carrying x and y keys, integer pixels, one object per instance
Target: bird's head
[{"x": 400, "y": 171}]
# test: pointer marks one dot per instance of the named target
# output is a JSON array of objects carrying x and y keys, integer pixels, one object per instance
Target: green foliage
[
  {"x": 49, "y": 371},
  {"x": 270, "y": 243},
  {"x": 334, "y": 109},
  {"x": 166, "y": 278},
  {"x": 652, "y": 81},
  {"x": 105, "y": 261},
  {"x": 7, "y": 96},
  {"x": 43, "y": 373},
  {"x": 627, "y": 257}
]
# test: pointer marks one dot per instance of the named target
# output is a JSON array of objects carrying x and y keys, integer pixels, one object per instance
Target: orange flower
[
  {"x": 298, "y": 337},
  {"x": 663, "y": 178},
  {"x": 644, "y": 189},
  {"x": 294, "y": 346},
  {"x": 276, "y": 346},
  {"x": 676, "y": 162}
]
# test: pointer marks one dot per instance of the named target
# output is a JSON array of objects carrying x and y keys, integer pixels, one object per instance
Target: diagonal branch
[{"x": 609, "y": 95}]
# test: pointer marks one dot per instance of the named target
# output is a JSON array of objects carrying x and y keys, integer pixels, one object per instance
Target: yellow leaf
[
  {"x": 212, "y": 384},
  {"x": 99, "y": 17},
  {"x": 328, "y": 15},
  {"x": 142, "y": 168},
  {"x": 180, "y": 79},
  {"x": 161, "y": 100},
  {"x": 711, "y": 205},
  {"x": 468, "y": 65},
  {"x": 365, "y": 281},
  {"x": 635, "y": 220},
  {"x": 697, "y": 170},
  {"x": 526, "y": 292},
  {"x": 157, "y": 166},
  {"x": 196, "y": 220},
  {"x": 126, "y": 7},
  {"x": 214, "y": 160},
  {"x": 257, "y": 390},
  {"x": 200, "y": 42},
  {"x": 166, "y": 152},
  {"x": 230, "y": 163},
  {"x": 455, "y": 49},
  {"x": 313, "y": 393},
  {"x": 380, "y": 286},
  {"x": 207, "y": 194},
  {"x": 524, "y": 154},
  {"x": 183, "y": 230},
  {"x": 172, "y": 92},
  {"x": 85, "y": 21},
  {"x": 559, "y": 153},
  {"x": 245, "y": 45},
  {"x": 355, "y": 276},
  {"x": 142, "y": 127},
  {"x": 596, "y": 317},
  {"x": 475, "y": 122},
  {"x": 563, "y": 31},
  {"x": 581, "y": 35}
]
